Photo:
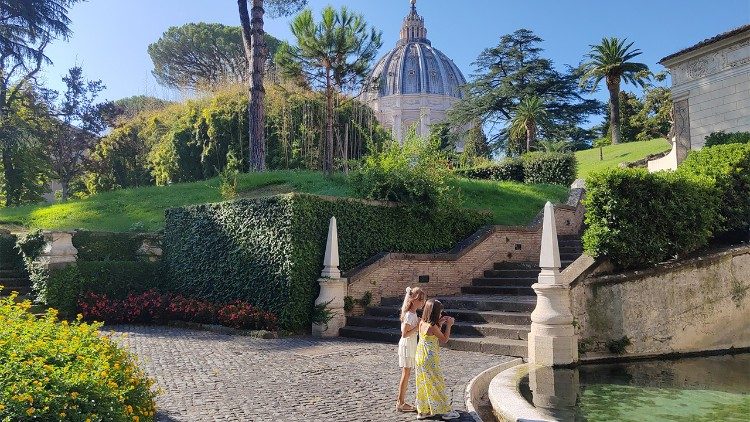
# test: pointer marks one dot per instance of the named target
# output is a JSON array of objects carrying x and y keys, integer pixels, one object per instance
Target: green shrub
[
  {"x": 638, "y": 219},
  {"x": 54, "y": 370},
  {"x": 269, "y": 251},
  {"x": 549, "y": 167},
  {"x": 414, "y": 174},
  {"x": 509, "y": 169},
  {"x": 729, "y": 166},
  {"x": 723, "y": 138},
  {"x": 10, "y": 256},
  {"x": 108, "y": 246},
  {"x": 62, "y": 288}
]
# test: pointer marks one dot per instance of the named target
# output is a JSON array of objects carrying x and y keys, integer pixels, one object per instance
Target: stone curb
[
  {"x": 507, "y": 402},
  {"x": 479, "y": 385}
]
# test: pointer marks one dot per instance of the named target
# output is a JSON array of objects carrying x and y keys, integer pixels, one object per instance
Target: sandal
[
  {"x": 424, "y": 416},
  {"x": 405, "y": 408}
]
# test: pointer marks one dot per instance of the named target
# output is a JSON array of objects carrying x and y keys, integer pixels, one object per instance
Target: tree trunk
[
  {"x": 614, "y": 109},
  {"x": 328, "y": 150},
  {"x": 256, "y": 53},
  {"x": 530, "y": 135},
  {"x": 65, "y": 187},
  {"x": 12, "y": 184}
]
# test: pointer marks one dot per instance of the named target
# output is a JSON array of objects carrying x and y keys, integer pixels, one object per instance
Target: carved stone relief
[
  {"x": 727, "y": 58},
  {"x": 681, "y": 128}
]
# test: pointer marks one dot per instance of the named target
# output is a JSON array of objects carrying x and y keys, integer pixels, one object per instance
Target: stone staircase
[
  {"x": 15, "y": 280},
  {"x": 493, "y": 314}
]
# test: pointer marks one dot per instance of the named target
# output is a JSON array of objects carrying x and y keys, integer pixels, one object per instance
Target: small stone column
[
  {"x": 552, "y": 341},
  {"x": 332, "y": 287},
  {"x": 59, "y": 250}
]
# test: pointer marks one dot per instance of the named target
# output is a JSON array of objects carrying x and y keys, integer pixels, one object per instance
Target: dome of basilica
[{"x": 414, "y": 66}]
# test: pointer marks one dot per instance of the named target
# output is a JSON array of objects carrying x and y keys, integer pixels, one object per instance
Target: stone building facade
[
  {"x": 414, "y": 84},
  {"x": 710, "y": 88}
]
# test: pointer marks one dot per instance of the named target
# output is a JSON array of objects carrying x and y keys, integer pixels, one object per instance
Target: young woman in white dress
[{"x": 407, "y": 346}]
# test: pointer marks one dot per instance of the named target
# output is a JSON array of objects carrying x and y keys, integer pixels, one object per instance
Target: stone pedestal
[
  {"x": 150, "y": 250},
  {"x": 552, "y": 340},
  {"x": 555, "y": 391},
  {"x": 332, "y": 293},
  {"x": 59, "y": 250}
]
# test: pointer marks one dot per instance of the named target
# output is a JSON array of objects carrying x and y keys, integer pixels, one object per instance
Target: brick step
[
  {"x": 497, "y": 290},
  {"x": 464, "y": 315},
  {"x": 503, "y": 282},
  {"x": 517, "y": 332},
  {"x": 511, "y": 273},
  {"x": 21, "y": 291},
  {"x": 14, "y": 281},
  {"x": 11, "y": 273},
  {"x": 493, "y": 302},
  {"x": 497, "y": 346},
  {"x": 522, "y": 266},
  {"x": 491, "y": 345}
]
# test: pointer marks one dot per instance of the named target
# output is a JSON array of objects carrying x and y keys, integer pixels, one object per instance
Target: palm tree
[
  {"x": 609, "y": 60},
  {"x": 332, "y": 55},
  {"x": 257, "y": 55},
  {"x": 554, "y": 146},
  {"x": 527, "y": 116}
]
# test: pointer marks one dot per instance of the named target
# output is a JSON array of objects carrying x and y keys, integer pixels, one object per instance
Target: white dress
[{"x": 407, "y": 346}]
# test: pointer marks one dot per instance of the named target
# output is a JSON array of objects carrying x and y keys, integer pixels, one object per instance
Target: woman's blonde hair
[{"x": 412, "y": 294}]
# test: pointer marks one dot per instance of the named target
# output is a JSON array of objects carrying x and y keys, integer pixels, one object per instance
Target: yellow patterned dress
[{"x": 431, "y": 397}]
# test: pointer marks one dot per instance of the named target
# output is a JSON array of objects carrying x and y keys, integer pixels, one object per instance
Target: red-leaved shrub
[
  {"x": 192, "y": 310},
  {"x": 239, "y": 314}
]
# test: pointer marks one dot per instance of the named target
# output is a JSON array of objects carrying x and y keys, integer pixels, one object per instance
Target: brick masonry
[{"x": 391, "y": 273}]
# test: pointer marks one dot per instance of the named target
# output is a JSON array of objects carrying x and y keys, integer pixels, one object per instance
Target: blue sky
[{"x": 110, "y": 37}]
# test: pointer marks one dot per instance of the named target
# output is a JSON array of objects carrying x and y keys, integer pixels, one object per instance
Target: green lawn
[
  {"x": 143, "y": 208},
  {"x": 588, "y": 160}
]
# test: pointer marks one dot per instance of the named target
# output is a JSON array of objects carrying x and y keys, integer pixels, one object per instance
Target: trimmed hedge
[
  {"x": 62, "y": 288},
  {"x": 723, "y": 138},
  {"x": 108, "y": 246},
  {"x": 59, "y": 371},
  {"x": 269, "y": 251},
  {"x": 549, "y": 167},
  {"x": 534, "y": 168},
  {"x": 510, "y": 169},
  {"x": 729, "y": 166},
  {"x": 638, "y": 219}
]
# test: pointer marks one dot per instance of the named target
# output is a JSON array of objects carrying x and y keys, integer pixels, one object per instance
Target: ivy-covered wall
[{"x": 269, "y": 251}]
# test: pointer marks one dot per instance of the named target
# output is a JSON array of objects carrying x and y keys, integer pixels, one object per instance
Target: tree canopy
[
  {"x": 515, "y": 69},
  {"x": 202, "y": 56}
]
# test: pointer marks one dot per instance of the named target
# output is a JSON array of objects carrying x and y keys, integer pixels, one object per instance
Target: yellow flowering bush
[{"x": 56, "y": 370}]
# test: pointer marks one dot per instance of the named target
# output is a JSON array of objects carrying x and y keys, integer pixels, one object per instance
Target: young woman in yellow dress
[{"x": 432, "y": 399}]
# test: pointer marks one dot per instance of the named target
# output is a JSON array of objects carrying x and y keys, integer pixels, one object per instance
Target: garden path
[{"x": 205, "y": 376}]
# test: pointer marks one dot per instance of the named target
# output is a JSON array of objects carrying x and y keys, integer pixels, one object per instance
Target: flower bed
[
  {"x": 155, "y": 307},
  {"x": 55, "y": 370}
]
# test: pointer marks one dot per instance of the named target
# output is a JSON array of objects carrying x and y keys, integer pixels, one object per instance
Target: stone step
[
  {"x": 464, "y": 315},
  {"x": 516, "y": 332},
  {"x": 23, "y": 291},
  {"x": 511, "y": 273},
  {"x": 497, "y": 290},
  {"x": 492, "y": 345},
  {"x": 11, "y": 273},
  {"x": 522, "y": 266},
  {"x": 484, "y": 302},
  {"x": 14, "y": 281},
  {"x": 503, "y": 282}
]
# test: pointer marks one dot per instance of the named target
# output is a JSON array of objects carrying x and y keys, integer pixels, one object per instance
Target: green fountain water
[{"x": 696, "y": 389}]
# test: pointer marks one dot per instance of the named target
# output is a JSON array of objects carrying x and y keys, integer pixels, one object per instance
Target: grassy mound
[
  {"x": 590, "y": 161},
  {"x": 143, "y": 208}
]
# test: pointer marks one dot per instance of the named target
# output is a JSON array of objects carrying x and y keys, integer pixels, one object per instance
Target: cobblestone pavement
[{"x": 205, "y": 376}]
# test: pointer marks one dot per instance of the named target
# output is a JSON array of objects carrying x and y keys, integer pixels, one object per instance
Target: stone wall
[
  {"x": 388, "y": 274},
  {"x": 693, "y": 305},
  {"x": 711, "y": 89}
]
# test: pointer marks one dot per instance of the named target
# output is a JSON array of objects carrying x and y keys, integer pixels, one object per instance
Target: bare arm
[
  {"x": 437, "y": 332},
  {"x": 407, "y": 330}
]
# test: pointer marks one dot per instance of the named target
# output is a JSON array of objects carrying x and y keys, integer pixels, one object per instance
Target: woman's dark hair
[{"x": 431, "y": 312}]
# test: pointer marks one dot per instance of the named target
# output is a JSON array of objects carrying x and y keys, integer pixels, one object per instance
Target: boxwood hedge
[
  {"x": 269, "y": 251},
  {"x": 729, "y": 166},
  {"x": 638, "y": 219},
  {"x": 108, "y": 246},
  {"x": 549, "y": 167}
]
